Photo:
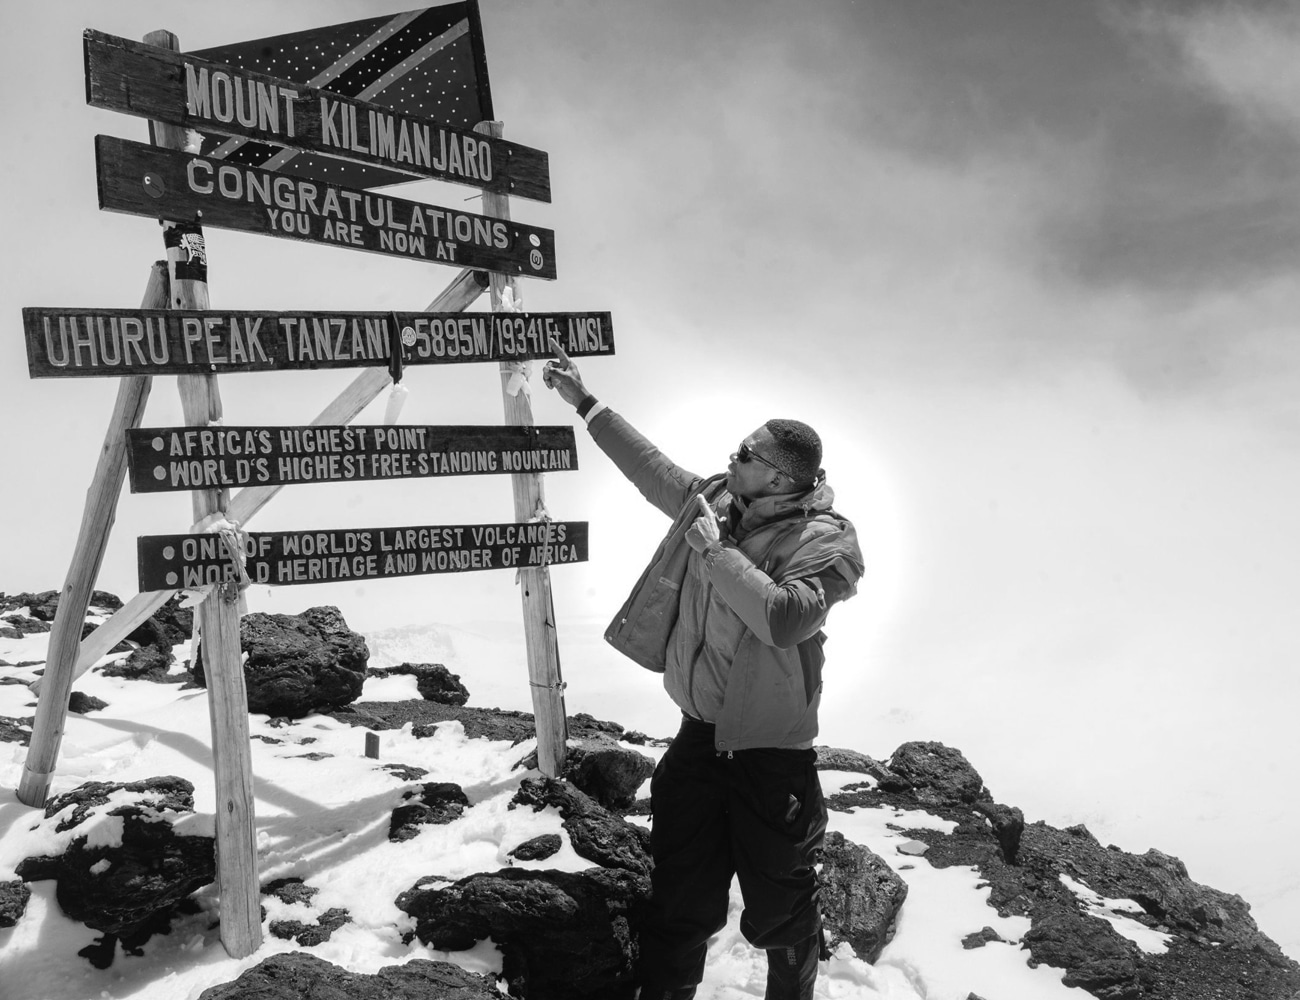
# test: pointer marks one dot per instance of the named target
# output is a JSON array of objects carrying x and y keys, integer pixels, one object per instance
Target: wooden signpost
[
  {"x": 284, "y": 558},
  {"x": 163, "y": 459},
  {"x": 157, "y": 183},
  {"x": 206, "y": 457},
  {"x": 64, "y": 343}
]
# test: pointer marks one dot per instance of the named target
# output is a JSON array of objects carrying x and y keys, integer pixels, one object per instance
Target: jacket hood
[{"x": 837, "y": 539}]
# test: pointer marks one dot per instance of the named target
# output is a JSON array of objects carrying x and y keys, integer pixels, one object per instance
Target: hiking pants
[{"x": 757, "y": 814}]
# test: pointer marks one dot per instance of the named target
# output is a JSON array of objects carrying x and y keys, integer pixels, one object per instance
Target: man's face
[{"x": 754, "y": 478}]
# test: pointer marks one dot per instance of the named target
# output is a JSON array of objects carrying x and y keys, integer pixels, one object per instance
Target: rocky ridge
[{"x": 573, "y": 934}]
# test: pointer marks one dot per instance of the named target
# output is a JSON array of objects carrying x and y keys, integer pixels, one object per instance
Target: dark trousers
[{"x": 757, "y": 814}]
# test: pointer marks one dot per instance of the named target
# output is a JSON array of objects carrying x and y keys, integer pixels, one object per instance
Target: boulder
[
  {"x": 1095, "y": 957},
  {"x": 310, "y": 935},
  {"x": 1008, "y": 824},
  {"x": 171, "y": 625},
  {"x": 21, "y": 625},
  {"x": 146, "y": 663},
  {"x": 938, "y": 773},
  {"x": 79, "y": 703},
  {"x": 44, "y": 604},
  {"x": 295, "y": 665},
  {"x": 602, "y": 837},
  {"x": 16, "y": 730},
  {"x": 13, "y": 902},
  {"x": 298, "y": 976},
  {"x": 839, "y": 759},
  {"x": 538, "y": 848},
  {"x": 562, "y": 935},
  {"x": 128, "y": 889},
  {"x": 434, "y": 681},
  {"x": 860, "y": 897},
  {"x": 440, "y": 802},
  {"x": 611, "y": 774}
]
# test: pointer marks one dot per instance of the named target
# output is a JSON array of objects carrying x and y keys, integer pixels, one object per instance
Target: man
[{"x": 730, "y": 610}]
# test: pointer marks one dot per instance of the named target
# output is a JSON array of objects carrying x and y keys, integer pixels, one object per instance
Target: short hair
[{"x": 796, "y": 449}]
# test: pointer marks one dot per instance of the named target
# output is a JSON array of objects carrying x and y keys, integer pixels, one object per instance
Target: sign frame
[
  {"x": 349, "y": 554},
  {"x": 157, "y": 183},
  {"x": 70, "y": 342},
  {"x": 175, "y": 87},
  {"x": 182, "y": 459}
]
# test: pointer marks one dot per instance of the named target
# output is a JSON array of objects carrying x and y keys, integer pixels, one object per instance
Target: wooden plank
[
  {"x": 541, "y": 641},
  {"x": 459, "y": 294},
  {"x": 97, "y": 520},
  {"x": 161, "y": 184},
  {"x": 218, "y": 615},
  {"x": 285, "y": 558},
  {"x": 72, "y": 342},
  {"x": 170, "y": 459},
  {"x": 196, "y": 93}
]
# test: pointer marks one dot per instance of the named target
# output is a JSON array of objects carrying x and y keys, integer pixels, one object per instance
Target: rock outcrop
[
  {"x": 299, "y": 976},
  {"x": 298, "y": 664},
  {"x": 562, "y": 935},
  {"x": 130, "y": 888}
]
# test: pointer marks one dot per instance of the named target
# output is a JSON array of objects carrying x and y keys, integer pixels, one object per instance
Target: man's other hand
[{"x": 704, "y": 531}]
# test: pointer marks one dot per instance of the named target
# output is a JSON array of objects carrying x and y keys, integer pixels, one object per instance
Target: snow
[
  {"x": 1113, "y": 911},
  {"x": 326, "y": 821}
]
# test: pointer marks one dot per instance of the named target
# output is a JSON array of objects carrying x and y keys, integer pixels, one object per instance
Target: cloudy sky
[{"x": 1029, "y": 266}]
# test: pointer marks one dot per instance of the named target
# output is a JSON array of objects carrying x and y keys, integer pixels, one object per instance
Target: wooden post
[
  {"x": 96, "y": 524},
  {"x": 360, "y": 393},
  {"x": 540, "y": 638},
  {"x": 232, "y": 760}
]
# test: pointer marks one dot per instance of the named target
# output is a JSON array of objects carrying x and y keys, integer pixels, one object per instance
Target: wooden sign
[
  {"x": 162, "y": 184},
  {"x": 282, "y": 558},
  {"x": 167, "y": 459},
  {"x": 115, "y": 342},
  {"x": 183, "y": 89}
]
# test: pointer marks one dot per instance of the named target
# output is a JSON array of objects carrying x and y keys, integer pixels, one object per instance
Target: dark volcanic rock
[
  {"x": 1094, "y": 956},
  {"x": 298, "y": 976},
  {"x": 128, "y": 891},
  {"x": 1008, "y": 824},
  {"x": 562, "y": 935},
  {"x": 310, "y": 935},
  {"x": 16, "y": 730},
  {"x": 13, "y": 902},
  {"x": 1215, "y": 950},
  {"x": 299, "y": 664},
  {"x": 169, "y": 626},
  {"x": 600, "y": 836},
  {"x": 479, "y": 723},
  {"x": 938, "y": 773},
  {"x": 609, "y": 773},
  {"x": 837, "y": 759},
  {"x": 22, "y": 625},
  {"x": 81, "y": 703},
  {"x": 434, "y": 681},
  {"x": 981, "y": 937},
  {"x": 290, "y": 890},
  {"x": 440, "y": 802},
  {"x": 860, "y": 897},
  {"x": 147, "y": 663},
  {"x": 45, "y": 603},
  {"x": 539, "y": 848}
]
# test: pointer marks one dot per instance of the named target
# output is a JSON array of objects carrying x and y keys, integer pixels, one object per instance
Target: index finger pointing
[
  {"x": 705, "y": 509},
  {"x": 559, "y": 351}
]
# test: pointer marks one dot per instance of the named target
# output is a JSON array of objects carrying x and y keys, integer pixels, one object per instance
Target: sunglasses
[{"x": 744, "y": 453}]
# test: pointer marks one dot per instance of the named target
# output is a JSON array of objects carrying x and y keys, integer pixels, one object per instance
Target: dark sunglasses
[{"x": 744, "y": 453}]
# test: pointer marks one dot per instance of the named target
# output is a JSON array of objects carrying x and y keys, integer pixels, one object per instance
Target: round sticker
[
  {"x": 534, "y": 239},
  {"x": 408, "y": 336},
  {"x": 535, "y": 258}
]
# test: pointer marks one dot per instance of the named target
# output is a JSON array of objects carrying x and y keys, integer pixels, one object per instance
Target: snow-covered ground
[{"x": 326, "y": 821}]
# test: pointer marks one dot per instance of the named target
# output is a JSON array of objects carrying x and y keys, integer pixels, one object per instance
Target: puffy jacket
[{"x": 710, "y": 619}]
